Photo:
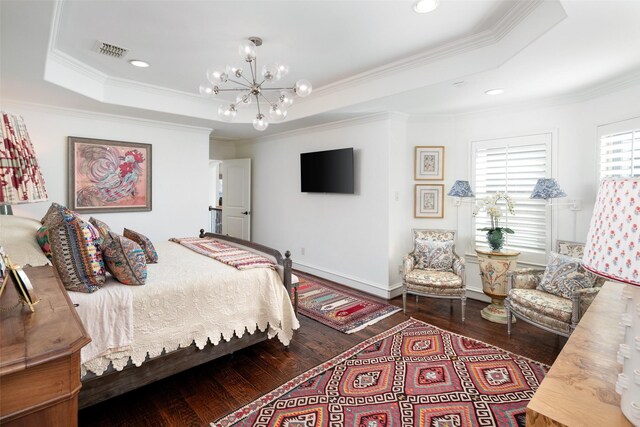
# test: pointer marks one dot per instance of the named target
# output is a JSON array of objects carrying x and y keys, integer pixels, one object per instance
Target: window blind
[
  {"x": 514, "y": 165},
  {"x": 620, "y": 154}
]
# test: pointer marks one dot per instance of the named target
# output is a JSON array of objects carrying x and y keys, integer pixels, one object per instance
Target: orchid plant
[{"x": 495, "y": 233}]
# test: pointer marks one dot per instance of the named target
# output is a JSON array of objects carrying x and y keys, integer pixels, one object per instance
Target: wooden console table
[
  {"x": 40, "y": 355},
  {"x": 579, "y": 390}
]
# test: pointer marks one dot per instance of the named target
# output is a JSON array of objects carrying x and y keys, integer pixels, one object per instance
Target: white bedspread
[{"x": 187, "y": 297}]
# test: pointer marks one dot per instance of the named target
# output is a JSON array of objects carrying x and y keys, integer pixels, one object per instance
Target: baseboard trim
[{"x": 352, "y": 282}]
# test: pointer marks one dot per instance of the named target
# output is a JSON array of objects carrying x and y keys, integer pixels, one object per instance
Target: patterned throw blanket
[{"x": 227, "y": 254}]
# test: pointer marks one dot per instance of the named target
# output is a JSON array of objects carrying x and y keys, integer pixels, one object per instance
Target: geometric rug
[
  {"x": 414, "y": 374},
  {"x": 339, "y": 309}
]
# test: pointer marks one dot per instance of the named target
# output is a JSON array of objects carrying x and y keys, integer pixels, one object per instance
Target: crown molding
[
  {"x": 516, "y": 14},
  {"x": 86, "y": 114}
]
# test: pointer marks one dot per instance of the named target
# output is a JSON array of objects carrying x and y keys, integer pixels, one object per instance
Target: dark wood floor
[{"x": 205, "y": 393}]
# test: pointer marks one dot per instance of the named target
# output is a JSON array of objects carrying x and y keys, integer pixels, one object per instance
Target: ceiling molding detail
[{"x": 524, "y": 22}]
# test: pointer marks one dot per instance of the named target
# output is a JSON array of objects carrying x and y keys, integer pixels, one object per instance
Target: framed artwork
[
  {"x": 109, "y": 176},
  {"x": 429, "y": 201},
  {"x": 429, "y": 163}
]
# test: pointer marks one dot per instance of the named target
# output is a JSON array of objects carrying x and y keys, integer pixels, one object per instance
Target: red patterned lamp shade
[
  {"x": 612, "y": 249},
  {"x": 20, "y": 177}
]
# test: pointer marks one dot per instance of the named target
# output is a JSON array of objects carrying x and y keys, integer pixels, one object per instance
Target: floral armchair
[
  {"x": 526, "y": 301},
  {"x": 433, "y": 269}
]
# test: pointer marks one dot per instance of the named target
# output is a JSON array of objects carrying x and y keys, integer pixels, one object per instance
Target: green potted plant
[{"x": 495, "y": 233}]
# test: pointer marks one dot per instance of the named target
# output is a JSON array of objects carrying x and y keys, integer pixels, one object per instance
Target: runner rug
[
  {"x": 414, "y": 374},
  {"x": 339, "y": 309}
]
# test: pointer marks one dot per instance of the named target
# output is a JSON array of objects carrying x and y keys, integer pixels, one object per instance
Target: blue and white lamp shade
[
  {"x": 461, "y": 189},
  {"x": 547, "y": 188}
]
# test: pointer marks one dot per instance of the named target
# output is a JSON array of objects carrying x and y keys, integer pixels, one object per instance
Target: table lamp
[
  {"x": 612, "y": 250},
  {"x": 20, "y": 176}
]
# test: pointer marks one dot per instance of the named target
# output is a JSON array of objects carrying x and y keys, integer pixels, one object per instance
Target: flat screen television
[{"x": 327, "y": 171}]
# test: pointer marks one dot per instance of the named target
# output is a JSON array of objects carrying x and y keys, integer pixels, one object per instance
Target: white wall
[
  {"x": 221, "y": 150},
  {"x": 575, "y": 165},
  {"x": 180, "y": 168},
  {"x": 344, "y": 236}
]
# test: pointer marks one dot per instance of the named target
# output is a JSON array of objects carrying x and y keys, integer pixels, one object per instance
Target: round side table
[{"x": 493, "y": 271}]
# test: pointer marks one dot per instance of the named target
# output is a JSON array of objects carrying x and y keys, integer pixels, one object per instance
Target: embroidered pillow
[
  {"x": 434, "y": 255},
  {"x": 102, "y": 227},
  {"x": 56, "y": 214},
  {"x": 42, "y": 237},
  {"x": 564, "y": 275},
  {"x": 150, "y": 253},
  {"x": 124, "y": 259},
  {"x": 75, "y": 254}
]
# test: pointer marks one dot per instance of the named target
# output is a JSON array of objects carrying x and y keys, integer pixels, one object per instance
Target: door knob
[{"x": 245, "y": 213}]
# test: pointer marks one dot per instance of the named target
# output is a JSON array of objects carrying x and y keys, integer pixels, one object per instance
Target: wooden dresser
[
  {"x": 40, "y": 355},
  {"x": 579, "y": 390}
]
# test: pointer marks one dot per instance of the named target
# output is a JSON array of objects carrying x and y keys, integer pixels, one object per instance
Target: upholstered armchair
[
  {"x": 558, "y": 314},
  {"x": 433, "y": 269}
]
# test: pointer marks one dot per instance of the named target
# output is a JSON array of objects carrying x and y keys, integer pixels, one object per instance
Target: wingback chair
[
  {"x": 446, "y": 280},
  {"x": 542, "y": 309}
]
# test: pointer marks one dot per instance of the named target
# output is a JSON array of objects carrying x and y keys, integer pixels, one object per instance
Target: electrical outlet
[{"x": 301, "y": 251}]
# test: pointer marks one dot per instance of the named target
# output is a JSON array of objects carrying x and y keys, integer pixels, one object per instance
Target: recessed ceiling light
[
  {"x": 425, "y": 6},
  {"x": 138, "y": 63},
  {"x": 494, "y": 91}
]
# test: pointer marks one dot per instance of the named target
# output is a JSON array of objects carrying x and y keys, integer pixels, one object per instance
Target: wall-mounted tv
[{"x": 327, "y": 171}]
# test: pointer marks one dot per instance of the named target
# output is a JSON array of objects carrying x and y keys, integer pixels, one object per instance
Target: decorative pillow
[
  {"x": 150, "y": 253},
  {"x": 434, "y": 255},
  {"x": 42, "y": 237},
  {"x": 124, "y": 259},
  {"x": 56, "y": 214},
  {"x": 101, "y": 226},
  {"x": 75, "y": 254},
  {"x": 564, "y": 275}
]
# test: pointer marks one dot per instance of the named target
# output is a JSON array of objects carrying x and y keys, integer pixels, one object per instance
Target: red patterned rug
[
  {"x": 338, "y": 308},
  {"x": 414, "y": 374}
]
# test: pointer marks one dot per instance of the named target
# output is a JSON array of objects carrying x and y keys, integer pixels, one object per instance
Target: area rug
[
  {"x": 414, "y": 374},
  {"x": 339, "y": 309}
]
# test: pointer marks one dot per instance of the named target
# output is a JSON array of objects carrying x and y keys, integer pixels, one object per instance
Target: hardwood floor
[{"x": 205, "y": 393}]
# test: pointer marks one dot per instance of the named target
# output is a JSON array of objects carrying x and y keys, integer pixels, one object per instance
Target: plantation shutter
[
  {"x": 620, "y": 151},
  {"x": 514, "y": 165}
]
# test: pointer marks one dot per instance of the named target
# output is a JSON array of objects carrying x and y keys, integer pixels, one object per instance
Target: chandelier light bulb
[
  {"x": 227, "y": 113},
  {"x": 247, "y": 50},
  {"x": 260, "y": 123},
  {"x": 217, "y": 75},
  {"x": 286, "y": 99},
  {"x": 243, "y": 99},
  {"x": 206, "y": 90},
  {"x": 303, "y": 88},
  {"x": 270, "y": 72},
  {"x": 234, "y": 71},
  {"x": 277, "y": 113},
  {"x": 283, "y": 70}
]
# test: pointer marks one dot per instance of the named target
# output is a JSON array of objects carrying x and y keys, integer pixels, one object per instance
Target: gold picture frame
[
  {"x": 428, "y": 201},
  {"x": 429, "y": 163},
  {"x": 20, "y": 280}
]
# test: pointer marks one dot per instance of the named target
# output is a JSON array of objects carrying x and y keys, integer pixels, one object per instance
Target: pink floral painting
[{"x": 109, "y": 176}]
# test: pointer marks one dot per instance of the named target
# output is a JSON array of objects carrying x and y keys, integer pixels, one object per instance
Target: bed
[{"x": 192, "y": 309}]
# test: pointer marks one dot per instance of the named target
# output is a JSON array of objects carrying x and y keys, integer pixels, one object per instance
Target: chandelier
[{"x": 253, "y": 90}]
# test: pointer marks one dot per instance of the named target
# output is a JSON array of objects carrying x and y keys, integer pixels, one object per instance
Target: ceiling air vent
[{"x": 111, "y": 49}]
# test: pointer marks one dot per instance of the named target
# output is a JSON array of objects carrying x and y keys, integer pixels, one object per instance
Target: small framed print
[
  {"x": 429, "y": 163},
  {"x": 429, "y": 201}
]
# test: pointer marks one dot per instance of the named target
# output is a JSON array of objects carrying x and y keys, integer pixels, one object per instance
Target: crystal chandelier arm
[
  {"x": 266, "y": 99},
  {"x": 240, "y": 83},
  {"x": 277, "y": 88},
  {"x": 258, "y": 105},
  {"x": 236, "y": 89}
]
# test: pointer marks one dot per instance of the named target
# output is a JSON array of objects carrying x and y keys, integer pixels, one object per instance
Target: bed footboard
[{"x": 285, "y": 262}]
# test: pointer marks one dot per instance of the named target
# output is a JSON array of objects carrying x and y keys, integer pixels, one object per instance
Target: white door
[{"x": 236, "y": 198}]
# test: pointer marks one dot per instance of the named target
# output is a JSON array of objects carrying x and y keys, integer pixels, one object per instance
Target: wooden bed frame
[{"x": 112, "y": 383}]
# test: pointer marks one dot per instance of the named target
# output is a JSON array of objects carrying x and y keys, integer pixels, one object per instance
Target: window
[
  {"x": 620, "y": 149},
  {"x": 514, "y": 165}
]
